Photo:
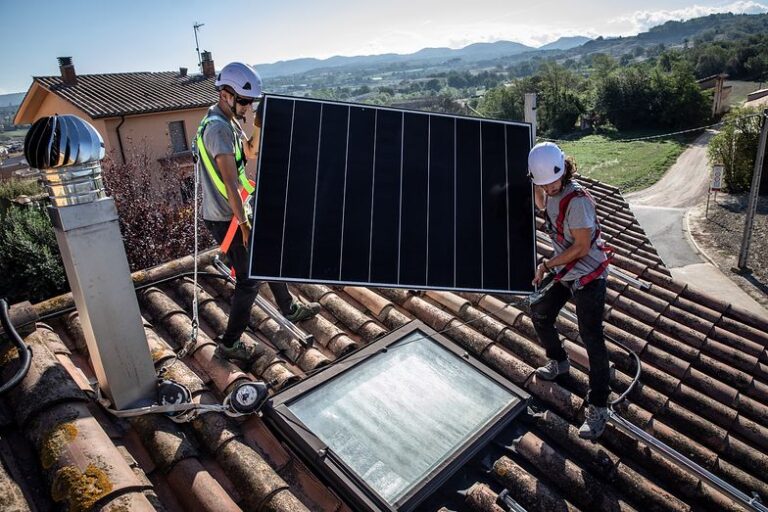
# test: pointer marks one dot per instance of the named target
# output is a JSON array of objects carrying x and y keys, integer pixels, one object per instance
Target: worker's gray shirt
[
  {"x": 218, "y": 139},
  {"x": 581, "y": 214}
]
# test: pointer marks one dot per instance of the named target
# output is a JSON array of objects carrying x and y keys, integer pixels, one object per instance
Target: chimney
[
  {"x": 209, "y": 71},
  {"x": 68, "y": 153},
  {"x": 182, "y": 72},
  {"x": 67, "y": 70}
]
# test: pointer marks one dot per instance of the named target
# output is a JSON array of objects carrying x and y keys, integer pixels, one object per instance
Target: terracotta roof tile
[
  {"x": 703, "y": 391},
  {"x": 528, "y": 490},
  {"x": 116, "y": 94},
  {"x": 583, "y": 489}
]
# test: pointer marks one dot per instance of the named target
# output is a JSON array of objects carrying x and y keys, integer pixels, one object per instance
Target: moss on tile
[
  {"x": 79, "y": 490},
  {"x": 54, "y": 442}
]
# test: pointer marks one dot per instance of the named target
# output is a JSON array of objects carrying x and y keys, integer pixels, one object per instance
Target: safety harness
[
  {"x": 246, "y": 186},
  {"x": 240, "y": 159},
  {"x": 558, "y": 231}
]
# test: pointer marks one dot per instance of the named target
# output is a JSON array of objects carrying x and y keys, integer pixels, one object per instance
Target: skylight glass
[{"x": 399, "y": 415}]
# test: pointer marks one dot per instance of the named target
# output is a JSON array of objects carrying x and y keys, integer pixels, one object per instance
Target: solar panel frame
[{"x": 277, "y": 207}]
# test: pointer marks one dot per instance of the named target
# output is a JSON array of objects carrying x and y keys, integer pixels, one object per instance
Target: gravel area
[{"x": 719, "y": 235}]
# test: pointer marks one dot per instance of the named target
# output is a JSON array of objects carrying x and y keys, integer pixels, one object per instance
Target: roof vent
[
  {"x": 68, "y": 152},
  {"x": 183, "y": 72}
]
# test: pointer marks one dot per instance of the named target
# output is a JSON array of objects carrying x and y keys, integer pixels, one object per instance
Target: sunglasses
[{"x": 244, "y": 102}]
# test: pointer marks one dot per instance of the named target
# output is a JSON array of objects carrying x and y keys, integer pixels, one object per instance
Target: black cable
[
  {"x": 635, "y": 380},
  {"x": 24, "y": 351}
]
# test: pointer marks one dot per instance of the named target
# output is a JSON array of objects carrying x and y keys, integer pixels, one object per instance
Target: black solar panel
[{"x": 367, "y": 195}]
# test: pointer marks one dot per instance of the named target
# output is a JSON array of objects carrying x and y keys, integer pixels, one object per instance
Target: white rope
[{"x": 190, "y": 344}]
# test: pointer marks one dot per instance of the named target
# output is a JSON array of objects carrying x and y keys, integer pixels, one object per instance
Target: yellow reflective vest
[{"x": 208, "y": 163}]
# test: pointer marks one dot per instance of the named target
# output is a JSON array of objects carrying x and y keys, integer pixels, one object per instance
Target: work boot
[
  {"x": 594, "y": 422},
  {"x": 239, "y": 351},
  {"x": 301, "y": 311},
  {"x": 553, "y": 369}
]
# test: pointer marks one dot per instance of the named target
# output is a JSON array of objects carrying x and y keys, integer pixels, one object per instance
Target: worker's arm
[
  {"x": 582, "y": 241},
  {"x": 538, "y": 197},
  {"x": 251, "y": 146},
  {"x": 228, "y": 169}
]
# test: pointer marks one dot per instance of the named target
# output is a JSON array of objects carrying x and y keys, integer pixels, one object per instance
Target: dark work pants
[
  {"x": 590, "y": 305},
  {"x": 246, "y": 290}
]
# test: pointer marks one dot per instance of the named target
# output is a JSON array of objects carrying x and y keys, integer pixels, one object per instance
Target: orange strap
[{"x": 233, "y": 226}]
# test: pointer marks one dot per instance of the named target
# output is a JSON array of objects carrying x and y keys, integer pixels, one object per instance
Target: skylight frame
[{"x": 343, "y": 478}]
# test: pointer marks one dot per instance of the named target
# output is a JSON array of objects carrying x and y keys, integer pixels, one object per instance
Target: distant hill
[
  {"x": 677, "y": 34},
  {"x": 565, "y": 43},
  {"x": 473, "y": 53},
  {"x": 351, "y": 71},
  {"x": 11, "y": 100}
]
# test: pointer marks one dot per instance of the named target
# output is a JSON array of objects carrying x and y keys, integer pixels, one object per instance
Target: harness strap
[
  {"x": 233, "y": 225},
  {"x": 560, "y": 235}
]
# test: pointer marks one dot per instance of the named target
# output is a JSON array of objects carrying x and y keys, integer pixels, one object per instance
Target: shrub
[
  {"x": 155, "y": 221},
  {"x": 30, "y": 264},
  {"x": 14, "y": 187}
]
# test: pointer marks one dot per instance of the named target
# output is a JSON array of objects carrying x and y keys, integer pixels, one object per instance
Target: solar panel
[{"x": 365, "y": 195}]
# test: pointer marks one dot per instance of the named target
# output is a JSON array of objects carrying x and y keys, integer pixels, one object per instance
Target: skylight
[{"x": 390, "y": 422}]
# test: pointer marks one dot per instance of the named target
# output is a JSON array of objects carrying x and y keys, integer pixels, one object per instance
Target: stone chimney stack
[
  {"x": 67, "y": 70},
  {"x": 209, "y": 70}
]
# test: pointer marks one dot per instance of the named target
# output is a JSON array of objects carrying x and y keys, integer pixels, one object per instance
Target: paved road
[
  {"x": 665, "y": 228},
  {"x": 662, "y": 212},
  {"x": 685, "y": 184}
]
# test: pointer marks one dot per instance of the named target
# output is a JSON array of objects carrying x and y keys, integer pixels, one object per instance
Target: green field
[
  {"x": 740, "y": 89},
  {"x": 629, "y": 166},
  {"x": 13, "y": 134}
]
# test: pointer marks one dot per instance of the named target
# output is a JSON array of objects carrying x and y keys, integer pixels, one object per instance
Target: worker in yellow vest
[{"x": 223, "y": 149}]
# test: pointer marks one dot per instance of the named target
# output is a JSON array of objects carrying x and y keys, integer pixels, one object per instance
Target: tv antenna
[{"x": 197, "y": 26}]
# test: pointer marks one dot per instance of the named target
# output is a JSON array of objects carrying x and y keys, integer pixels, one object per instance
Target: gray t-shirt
[
  {"x": 581, "y": 214},
  {"x": 219, "y": 139}
]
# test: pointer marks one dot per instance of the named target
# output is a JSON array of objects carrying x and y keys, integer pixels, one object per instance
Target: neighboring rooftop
[
  {"x": 704, "y": 391},
  {"x": 758, "y": 99},
  {"x": 119, "y": 94},
  {"x": 116, "y": 94}
]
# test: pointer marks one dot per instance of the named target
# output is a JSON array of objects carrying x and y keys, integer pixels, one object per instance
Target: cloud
[
  {"x": 458, "y": 36},
  {"x": 641, "y": 21}
]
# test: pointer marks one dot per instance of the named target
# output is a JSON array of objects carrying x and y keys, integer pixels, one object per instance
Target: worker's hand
[
  {"x": 541, "y": 271},
  {"x": 245, "y": 231}
]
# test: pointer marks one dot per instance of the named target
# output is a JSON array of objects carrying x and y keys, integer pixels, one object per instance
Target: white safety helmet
[
  {"x": 546, "y": 163},
  {"x": 242, "y": 78}
]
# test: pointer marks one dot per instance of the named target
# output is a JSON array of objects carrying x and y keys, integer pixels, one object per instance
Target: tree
[
  {"x": 649, "y": 97},
  {"x": 559, "y": 104},
  {"x": 735, "y": 147},
  {"x": 506, "y": 102}
]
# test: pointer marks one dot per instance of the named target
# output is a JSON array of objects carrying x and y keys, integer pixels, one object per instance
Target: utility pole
[
  {"x": 530, "y": 113},
  {"x": 197, "y": 26},
  {"x": 753, "y": 195}
]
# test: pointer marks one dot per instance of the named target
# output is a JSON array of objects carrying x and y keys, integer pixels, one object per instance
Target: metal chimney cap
[{"x": 60, "y": 141}]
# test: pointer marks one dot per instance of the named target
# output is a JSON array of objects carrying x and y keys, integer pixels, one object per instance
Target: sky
[{"x": 157, "y": 35}]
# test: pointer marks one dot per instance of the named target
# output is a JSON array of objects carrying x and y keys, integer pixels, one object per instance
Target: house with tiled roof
[
  {"x": 141, "y": 113},
  {"x": 703, "y": 392}
]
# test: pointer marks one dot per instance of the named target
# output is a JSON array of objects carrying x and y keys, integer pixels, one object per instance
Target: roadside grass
[{"x": 629, "y": 166}]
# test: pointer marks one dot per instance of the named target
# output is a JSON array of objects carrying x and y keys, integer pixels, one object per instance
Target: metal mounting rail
[
  {"x": 305, "y": 339},
  {"x": 681, "y": 460}
]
